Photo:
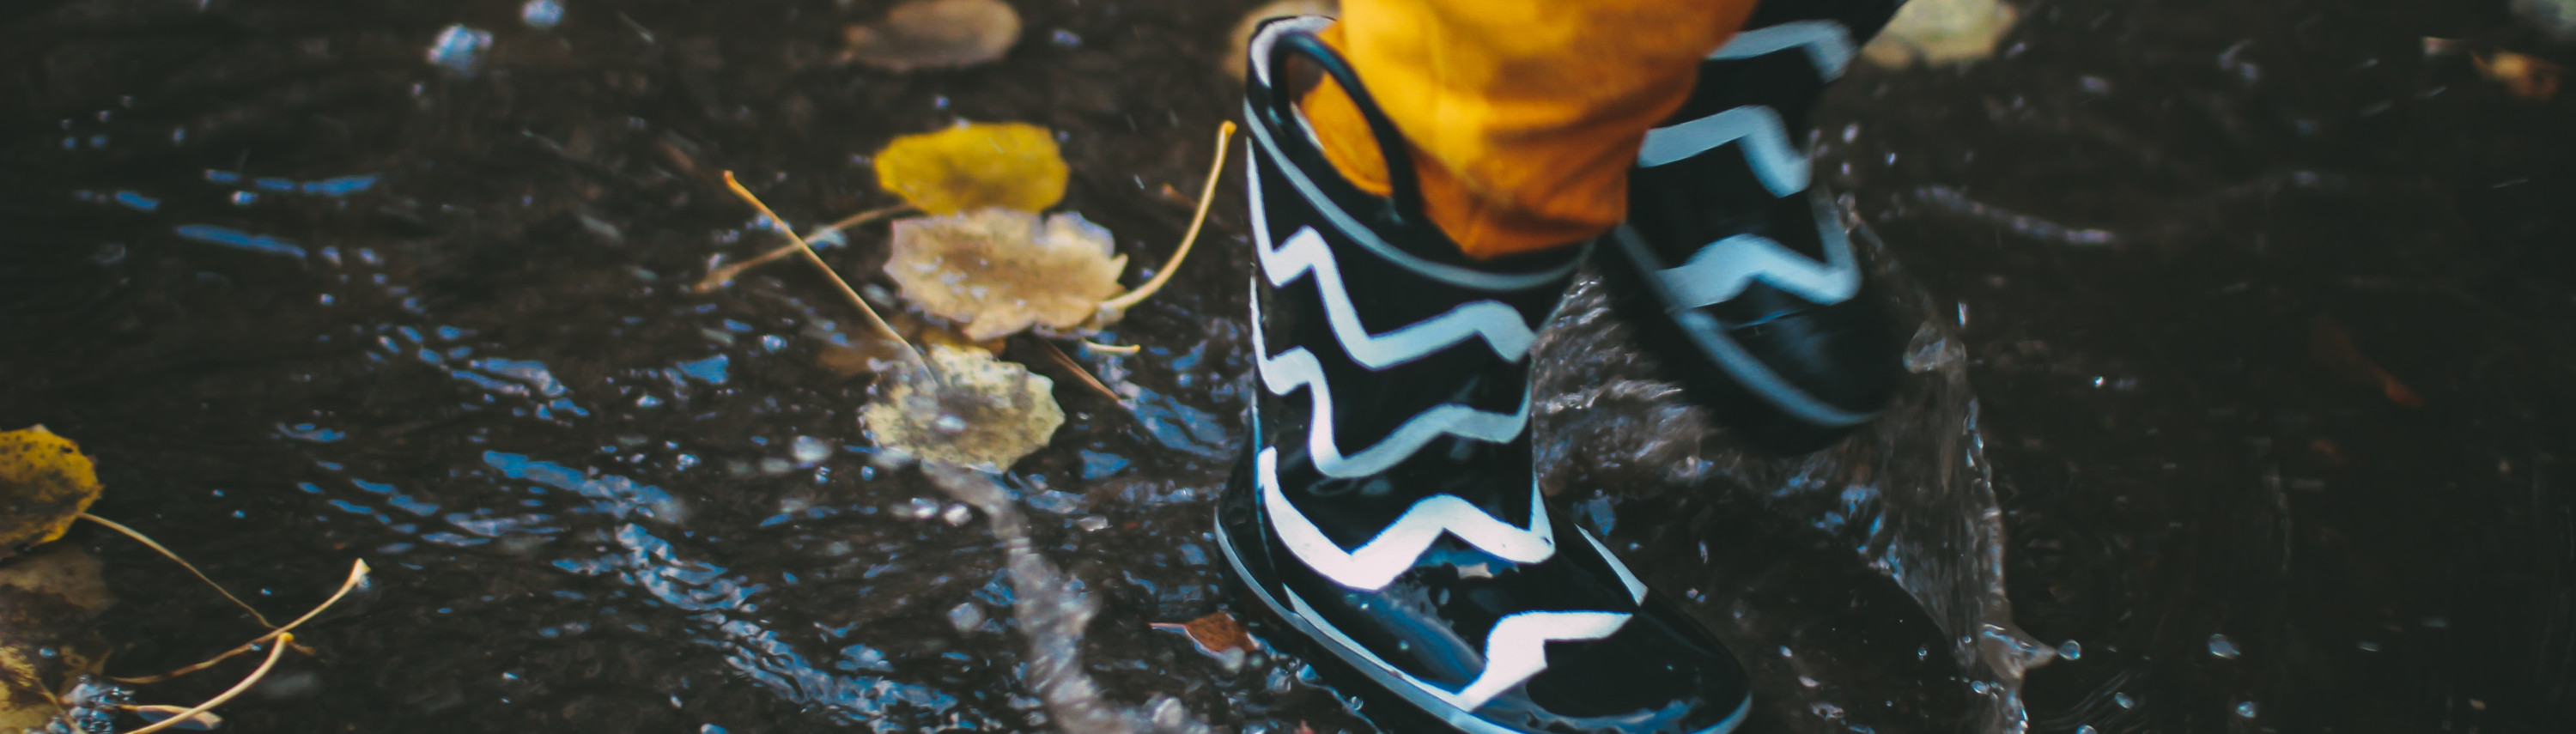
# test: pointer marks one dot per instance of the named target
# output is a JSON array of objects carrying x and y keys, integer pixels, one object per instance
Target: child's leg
[{"x": 1524, "y": 115}]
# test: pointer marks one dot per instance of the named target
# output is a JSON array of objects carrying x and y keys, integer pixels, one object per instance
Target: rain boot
[
  {"x": 1386, "y": 512},
  {"x": 1740, "y": 273}
]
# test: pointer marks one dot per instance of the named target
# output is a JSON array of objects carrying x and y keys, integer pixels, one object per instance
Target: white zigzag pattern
[
  {"x": 1828, "y": 44},
  {"x": 1775, "y": 160},
  {"x": 1514, "y": 651},
  {"x": 1499, "y": 326},
  {"x": 1722, "y": 269},
  {"x": 1377, "y": 562}
]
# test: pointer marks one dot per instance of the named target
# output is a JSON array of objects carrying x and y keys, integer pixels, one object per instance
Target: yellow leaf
[
  {"x": 1009, "y": 164},
  {"x": 47, "y": 600},
  {"x": 1941, "y": 32},
  {"x": 45, "y": 483},
  {"x": 998, "y": 272},
  {"x": 980, "y": 412}
]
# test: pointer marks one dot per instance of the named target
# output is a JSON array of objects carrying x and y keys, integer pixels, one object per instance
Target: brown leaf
[
  {"x": 45, "y": 483},
  {"x": 935, "y": 34},
  {"x": 2525, "y": 77},
  {"x": 47, "y": 600},
  {"x": 1218, "y": 635},
  {"x": 998, "y": 272},
  {"x": 2334, "y": 348}
]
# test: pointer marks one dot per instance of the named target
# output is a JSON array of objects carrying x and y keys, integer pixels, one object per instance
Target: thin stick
[
  {"x": 274, "y": 652},
  {"x": 724, "y": 275},
  {"x": 206, "y": 720},
  {"x": 183, "y": 563},
  {"x": 357, "y": 573},
  {"x": 1117, "y": 349},
  {"x": 1207, "y": 196},
  {"x": 1087, "y": 379},
  {"x": 817, "y": 260}
]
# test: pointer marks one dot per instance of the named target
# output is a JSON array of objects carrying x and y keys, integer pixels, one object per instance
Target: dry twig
[
  {"x": 1207, "y": 196},
  {"x": 719, "y": 277},
  {"x": 817, "y": 260},
  {"x": 357, "y": 574},
  {"x": 284, "y": 639},
  {"x": 183, "y": 563}
]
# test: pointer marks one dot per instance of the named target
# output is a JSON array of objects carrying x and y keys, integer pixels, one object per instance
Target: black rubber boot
[
  {"x": 1387, "y": 510},
  {"x": 1739, "y": 272}
]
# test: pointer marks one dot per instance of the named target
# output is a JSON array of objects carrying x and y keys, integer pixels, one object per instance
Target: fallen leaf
[
  {"x": 2331, "y": 346},
  {"x": 2525, "y": 77},
  {"x": 977, "y": 412},
  {"x": 48, "y": 598},
  {"x": 997, "y": 271},
  {"x": 1218, "y": 635},
  {"x": 972, "y": 166},
  {"x": 1937, "y": 32},
  {"x": 935, "y": 34},
  {"x": 45, "y": 483},
  {"x": 1241, "y": 36}
]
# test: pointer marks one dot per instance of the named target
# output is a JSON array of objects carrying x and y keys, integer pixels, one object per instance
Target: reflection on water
[{"x": 312, "y": 291}]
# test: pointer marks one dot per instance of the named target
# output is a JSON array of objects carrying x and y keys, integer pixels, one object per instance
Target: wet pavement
[{"x": 309, "y": 298}]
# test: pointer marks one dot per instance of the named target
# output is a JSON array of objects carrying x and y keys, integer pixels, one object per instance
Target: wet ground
[{"x": 308, "y": 298}]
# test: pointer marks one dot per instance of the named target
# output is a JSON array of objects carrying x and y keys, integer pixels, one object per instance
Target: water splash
[{"x": 1911, "y": 494}]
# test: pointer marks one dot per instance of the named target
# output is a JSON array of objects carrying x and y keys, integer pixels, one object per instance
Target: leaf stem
[
  {"x": 357, "y": 573},
  {"x": 817, "y": 260},
  {"x": 1207, "y": 196},
  {"x": 183, "y": 563},
  {"x": 720, "y": 277},
  {"x": 285, "y": 639}
]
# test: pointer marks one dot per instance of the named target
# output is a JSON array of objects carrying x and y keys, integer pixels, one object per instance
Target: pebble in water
[
  {"x": 541, "y": 14},
  {"x": 2222, "y": 647},
  {"x": 459, "y": 48}
]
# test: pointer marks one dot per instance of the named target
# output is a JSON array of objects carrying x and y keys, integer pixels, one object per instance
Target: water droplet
[
  {"x": 2124, "y": 700},
  {"x": 2245, "y": 709},
  {"x": 2087, "y": 729},
  {"x": 957, "y": 515},
  {"x": 2070, "y": 650},
  {"x": 809, "y": 450},
  {"x": 966, "y": 617},
  {"x": 2222, "y": 647}
]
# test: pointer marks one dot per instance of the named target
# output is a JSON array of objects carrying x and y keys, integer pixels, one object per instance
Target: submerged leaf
[
  {"x": 2333, "y": 347},
  {"x": 47, "y": 601},
  {"x": 45, "y": 483},
  {"x": 1218, "y": 635},
  {"x": 998, "y": 271},
  {"x": 2526, "y": 77},
  {"x": 935, "y": 34},
  {"x": 1939, "y": 32},
  {"x": 972, "y": 166},
  {"x": 979, "y": 412}
]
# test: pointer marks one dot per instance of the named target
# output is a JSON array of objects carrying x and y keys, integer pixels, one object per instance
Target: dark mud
[{"x": 309, "y": 298}]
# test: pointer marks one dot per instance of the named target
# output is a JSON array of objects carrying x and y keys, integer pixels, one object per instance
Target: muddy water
[{"x": 310, "y": 298}]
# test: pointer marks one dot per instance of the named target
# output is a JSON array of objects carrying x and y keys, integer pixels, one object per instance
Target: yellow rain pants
[{"x": 1524, "y": 115}]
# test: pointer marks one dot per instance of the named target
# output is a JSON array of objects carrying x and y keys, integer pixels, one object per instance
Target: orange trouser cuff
[{"x": 1523, "y": 116}]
